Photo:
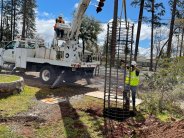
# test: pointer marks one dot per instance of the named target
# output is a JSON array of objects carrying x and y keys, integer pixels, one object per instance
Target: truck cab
[{"x": 8, "y": 53}]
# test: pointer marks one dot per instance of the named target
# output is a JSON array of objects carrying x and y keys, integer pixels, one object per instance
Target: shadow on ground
[{"x": 73, "y": 126}]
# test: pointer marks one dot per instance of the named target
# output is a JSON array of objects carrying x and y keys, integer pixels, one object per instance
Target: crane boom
[{"x": 83, "y": 5}]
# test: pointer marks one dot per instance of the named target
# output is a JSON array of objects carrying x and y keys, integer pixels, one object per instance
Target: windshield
[{"x": 11, "y": 45}]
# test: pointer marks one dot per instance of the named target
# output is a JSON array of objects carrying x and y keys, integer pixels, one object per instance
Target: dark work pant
[
  {"x": 59, "y": 32},
  {"x": 133, "y": 89},
  {"x": 62, "y": 32}
]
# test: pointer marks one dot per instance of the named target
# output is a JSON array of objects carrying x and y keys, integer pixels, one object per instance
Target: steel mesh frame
[{"x": 115, "y": 105}]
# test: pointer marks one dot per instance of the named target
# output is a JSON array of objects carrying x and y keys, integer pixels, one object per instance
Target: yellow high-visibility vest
[{"x": 134, "y": 79}]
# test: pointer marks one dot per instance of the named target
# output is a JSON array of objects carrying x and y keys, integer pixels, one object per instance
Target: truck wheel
[{"x": 47, "y": 75}]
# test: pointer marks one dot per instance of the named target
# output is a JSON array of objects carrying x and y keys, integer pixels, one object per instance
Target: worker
[
  {"x": 132, "y": 81},
  {"x": 61, "y": 21},
  {"x": 59, "y": 31},
  {"x": 56, "y": 28}
]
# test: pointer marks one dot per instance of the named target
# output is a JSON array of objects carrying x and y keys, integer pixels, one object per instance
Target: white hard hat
[{"x": 133, "y": 63}]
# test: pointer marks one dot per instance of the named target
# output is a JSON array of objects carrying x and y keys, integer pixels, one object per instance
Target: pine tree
[
  {"x": 16, "y": 17},
  {"x": 171, "y": 28},
  {"x": 27, "y": 13},
  {"x": 177, "y": 9},
  {"x": 9, "y": 18},
  {"x": 6, "y": 21}
]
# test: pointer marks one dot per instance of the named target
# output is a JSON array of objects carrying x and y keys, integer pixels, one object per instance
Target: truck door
[{"x": 9, "y": 52}]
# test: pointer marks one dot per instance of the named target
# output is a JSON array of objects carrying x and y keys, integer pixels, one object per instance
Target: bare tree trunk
[
  {"x": 158, "y": 58},
  {"x": 171, "y": 29},
  {"x": 24, "y": 20},
  {"x": 2, "y": 20},
  {"x": 177, "y": 50},
  {"x": 161, "y": 50},
  {"x": 14, "y": 18},
  {"x": 12, "y": 2},
  {"x": 152, "y": 26},
  {"x": 139, "y": 29},
  {"x": 181, "y": 48}
]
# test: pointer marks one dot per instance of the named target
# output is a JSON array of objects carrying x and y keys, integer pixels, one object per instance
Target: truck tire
[{"x": 48, "y": 75}]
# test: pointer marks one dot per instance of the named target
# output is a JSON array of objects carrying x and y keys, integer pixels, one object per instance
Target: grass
[
  {"x": 67, "y": 128},
  {"x": 5, "y": 132},
  {"x": 164, "y": 117},
  {"x": 18, "y": 103},
  {"x": 50, "y": 130},
  {"x": 84, "y": 126},
  {"x": 8, "y": 78}
]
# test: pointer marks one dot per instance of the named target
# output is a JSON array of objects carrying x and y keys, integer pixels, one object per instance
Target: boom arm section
[{"x": 83, "y": 5}]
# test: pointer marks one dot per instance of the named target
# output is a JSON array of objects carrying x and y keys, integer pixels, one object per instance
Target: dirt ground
[
  {"x": 42, "y": 115},
  {"x": 149, "y": 128}
]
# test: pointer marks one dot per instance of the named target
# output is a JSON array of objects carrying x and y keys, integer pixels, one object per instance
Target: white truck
[{"x": 59, "y": 63}]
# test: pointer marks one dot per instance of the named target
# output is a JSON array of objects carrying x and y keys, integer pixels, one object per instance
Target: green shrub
[
  {"x": 178, "y": 92},
  {"x": 165, "y": 87},
  {"x": 168, "y": 76}
]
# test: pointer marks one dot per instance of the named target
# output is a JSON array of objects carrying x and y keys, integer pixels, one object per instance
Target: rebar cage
[{"x": 116, "y": 100}]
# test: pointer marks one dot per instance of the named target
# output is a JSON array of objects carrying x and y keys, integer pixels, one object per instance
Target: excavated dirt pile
[
  {"x": 149, "y": 128},
  {"x": 156, "y": 129}
]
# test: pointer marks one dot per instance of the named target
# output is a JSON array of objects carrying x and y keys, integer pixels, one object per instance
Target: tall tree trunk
[
  {"x": 181, "y": 48},
  {"x": 83, "y": 47},
  {"x": 2, "y": 19},
  {"x": 177, "y": 50},
  {"x": 171, "y": 29},
  {"x": 14, "y": 18},
  {"x": 24, "y": 20},
  {"x": 139, "y": 29},
  {"x": 152, "y": 26},
  {"x": 11, "y": 25}
]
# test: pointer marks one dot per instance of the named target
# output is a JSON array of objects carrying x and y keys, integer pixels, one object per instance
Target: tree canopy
[{"x": 90, "y": 28}]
